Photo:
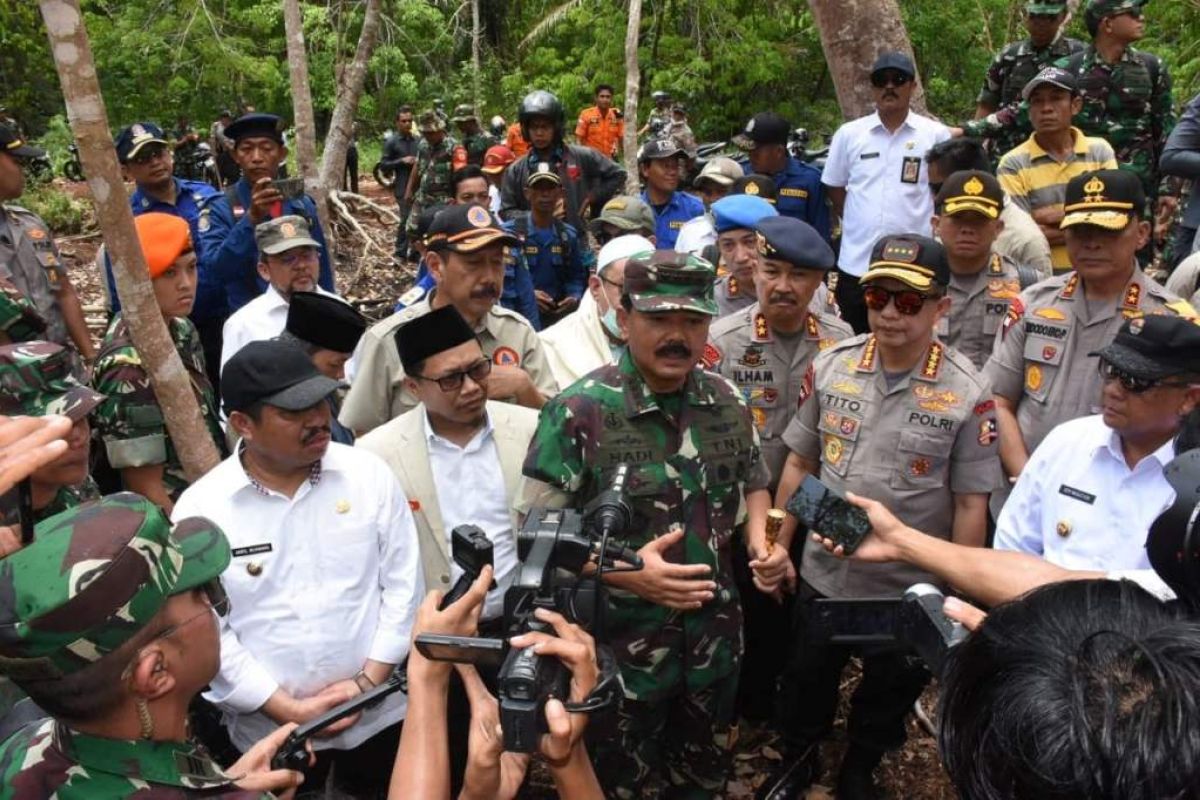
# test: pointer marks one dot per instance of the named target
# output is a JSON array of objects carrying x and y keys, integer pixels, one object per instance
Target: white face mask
[{"x": 608, "y": 319}]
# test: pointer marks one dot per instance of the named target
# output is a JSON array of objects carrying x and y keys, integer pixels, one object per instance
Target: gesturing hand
[{"x": 685, "y": 587}]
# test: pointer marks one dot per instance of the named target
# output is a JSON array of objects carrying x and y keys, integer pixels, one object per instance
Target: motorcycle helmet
[{"x": 540, "y": 103}]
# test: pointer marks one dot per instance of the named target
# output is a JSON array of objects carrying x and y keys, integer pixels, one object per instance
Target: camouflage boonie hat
[
  {"x": 93, "y": 577},
  {"x": 19, "y": 319},
  {"x": 281, "y": 234},
  {"x": 464, "y": 113},
  {"x": 430, "y": 122},
  {"x": 627, "y": 213},
  {"x": 668, "y": 281},
  {"x": 36, "y": 379}
]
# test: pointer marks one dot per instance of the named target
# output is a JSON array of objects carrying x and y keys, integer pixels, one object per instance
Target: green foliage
[{"x": 61, "y": 210}]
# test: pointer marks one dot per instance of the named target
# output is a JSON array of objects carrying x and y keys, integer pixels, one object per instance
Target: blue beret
[
  {"x": 267, "y": 126},
  {"x": 740, "y": 211},
  {"x": 794, "y": 241}
]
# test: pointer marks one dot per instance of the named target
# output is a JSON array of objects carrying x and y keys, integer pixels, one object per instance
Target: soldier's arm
[
  {"x": 1162, "y": 110},
  {"x": 975, "y": 469},
  {"x": 989, "y": 93},
  {"x": 72, "y": 311},
  {"x": 147, "y": 480}
]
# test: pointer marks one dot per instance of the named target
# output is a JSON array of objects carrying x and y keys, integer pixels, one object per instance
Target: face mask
[{"x": 609, "y": 320}]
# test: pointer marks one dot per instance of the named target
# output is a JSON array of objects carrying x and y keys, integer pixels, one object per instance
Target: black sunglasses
[
  {"x": 1132, "y": 383},
  {"x": 908, "y": 301},
  {"x": 889, "y": 77},
  {"x": 453, "y": 381}
]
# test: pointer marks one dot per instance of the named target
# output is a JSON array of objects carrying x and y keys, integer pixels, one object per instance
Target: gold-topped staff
[{"x": 775, "y": 517}]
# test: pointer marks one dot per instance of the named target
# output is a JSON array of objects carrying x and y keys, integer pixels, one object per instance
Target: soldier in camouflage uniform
[
  {"x": 999, "y": 100},
  {"x": 1126, "y": 92},
  {"x": 120, "y": 655},
  {"x": 36, "y": 380},
  {"x": 130, "y": 419},
  {"x": 438, "y": 156},
  {"x": 474, "y": 138},
  {"x": 696, "y": 473},
  {"x": 19, "y": 320}
]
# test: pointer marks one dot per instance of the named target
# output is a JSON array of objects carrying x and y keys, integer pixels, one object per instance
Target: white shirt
[
  {"x": 470, "y": 491},
  {"x": 577, "y": 343},
  {"x": 1077, "y": 482},
  {"x": 494, "y": 198},
  {"x": 339, "y": 582},
  {"x": 264, "y": 317},
  {"x": 695, "y": 235},
  {"x": 886, "y": 182}
]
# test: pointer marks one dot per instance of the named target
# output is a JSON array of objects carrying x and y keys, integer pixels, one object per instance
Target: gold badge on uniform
[
  {"x": 254, "y": 568},
  {"x": 1050, "y": 313},
  {"x": 1033, "y": 377},
  {"x": 1094, "y": 190},
  {"x": 834, "y": 449},
  {"x": 342, "y": 506},
  {"x": 760, "y": 418},
  {"x": 1063, "y": 528},
  {"x": 973, "y": 186},
  {"x": 751, "y": 188}
]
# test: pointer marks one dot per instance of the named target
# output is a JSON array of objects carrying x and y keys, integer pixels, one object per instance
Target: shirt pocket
[
  {"x": 1043, "y": 360},
  {"x": 922, "y": 461},
  {"x": 839, "y": 440},
  {"x": 656, "y": 499}
]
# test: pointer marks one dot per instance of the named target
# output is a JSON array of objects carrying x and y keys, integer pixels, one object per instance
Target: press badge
[{"x": 910, "y": 170}]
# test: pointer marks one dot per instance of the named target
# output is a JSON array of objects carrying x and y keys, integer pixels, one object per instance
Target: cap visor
[
  {"x": 205, "y": 552},
  {"x": 720, "y": 180},
  {"x": 961, "y": 205},
  {"x": 909, "y": 278},
  {"x": 556, "y": 181},
  {"x": 744, "y": 142},
  {"x": 493, "y": 170},
  {"x": 305, "y": 394},
  {"x": 284, "y": 246},
  {"x": 1109, "y": 220},
  {"x": 81, "y": 400},
  {"x": 1137, "y": 364},
  {"x": 1028, "y": 90},
  {"x": 137, "y": 147},
  {"x": 661, "y": 304},
  {"x": 485, "y": 237}
]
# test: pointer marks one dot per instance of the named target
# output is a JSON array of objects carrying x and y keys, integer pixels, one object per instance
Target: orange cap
[
  {"x": 497, "y": 158},
  {"x": 164, "y": 238}
]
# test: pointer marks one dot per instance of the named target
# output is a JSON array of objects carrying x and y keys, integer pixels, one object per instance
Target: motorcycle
[
  {"x": 39, "y": 170},
  {"x": 197, "y": 164},
  {"x": 73, "y": 167},
  {"x": 798, "y": 142}
]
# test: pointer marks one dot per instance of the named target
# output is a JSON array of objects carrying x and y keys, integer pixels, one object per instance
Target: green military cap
[
  {"x": 36, "y": 379},
  {"x": 19, "y": 319},
  {"x": 93, "y": 577},
  {"x": 1046, "y": 7},
  {"x": 281, "y": 234},
  {"x": 464, "y": 113},
  {"x": 668, "y": 281},
  {"x": 626, "y": 212},
  {"x": 430, "y": 122},
  {"x": 1099, "y": 9}
]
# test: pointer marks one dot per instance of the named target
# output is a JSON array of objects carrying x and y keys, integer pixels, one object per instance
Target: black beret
[
  {"x": 430, "y": 334},
  {"x": 325, "y": 321}
]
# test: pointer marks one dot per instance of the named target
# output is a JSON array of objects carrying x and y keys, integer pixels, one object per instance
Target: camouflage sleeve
[
  {"x": 553, "y": 472},
  {"x": 975, "y": 457},
  {"x": 130, "y": 420},
  {"x": 1162, "y": 112},
  {"x": 19, "y": 320},
  {"x": 996, "y": 123},
  {"x": 993, "y": 80}
]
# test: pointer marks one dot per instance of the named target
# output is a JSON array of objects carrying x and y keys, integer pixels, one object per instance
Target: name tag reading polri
[
  {"x": 252, "y": 550},
  {"x": 1077, "y": 494}
]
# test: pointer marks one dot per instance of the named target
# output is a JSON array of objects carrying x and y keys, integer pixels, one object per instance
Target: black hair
[
  {"x": 464, "y": 174},
  {"x": 404, "y": 110},
  {"x": 1080, "y": 689},
  {"x": 955, "y": 155},
  {"x": 600, "y": 87}
]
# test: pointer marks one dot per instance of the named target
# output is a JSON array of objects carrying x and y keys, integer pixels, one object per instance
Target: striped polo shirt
[{"x": 1035, "y": 179}]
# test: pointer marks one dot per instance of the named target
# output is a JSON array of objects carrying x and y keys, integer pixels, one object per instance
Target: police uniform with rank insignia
[
  {"x": 693, "y": 455},
  {"x": 57, "y": 625},
  {"x": 30, "y": 261},
  {"x": 979, "y": 302},
  {"x": 917, "y": 441},
  {"x": 1040, "y": 359},
  {"x": 377, "y": 393}
]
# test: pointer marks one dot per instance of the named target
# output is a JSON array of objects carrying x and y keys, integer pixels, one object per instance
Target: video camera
[{"x": 555, "y": 546}]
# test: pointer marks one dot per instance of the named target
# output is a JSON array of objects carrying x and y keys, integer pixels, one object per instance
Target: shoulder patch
[
  {"x": 506, "y": 357},
  {"x": 711, "y": 356}
]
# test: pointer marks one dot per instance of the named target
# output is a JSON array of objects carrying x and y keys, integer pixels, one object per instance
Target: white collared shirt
[
  {"x": 319, "y": 583},
  {"x": 886, "y": 181},
  {"x": 471, "y": 491},
  {"x": 1079, "y": 505},
  {"x": 264, "y": 317}
]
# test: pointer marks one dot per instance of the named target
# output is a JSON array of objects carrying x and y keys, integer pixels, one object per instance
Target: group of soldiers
[{"x": 722, "y": 343}]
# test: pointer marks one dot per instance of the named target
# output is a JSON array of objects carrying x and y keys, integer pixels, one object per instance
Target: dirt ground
[{"x": 366, "y": 276}]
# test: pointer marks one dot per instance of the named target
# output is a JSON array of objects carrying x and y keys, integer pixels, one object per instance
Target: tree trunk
[
  {"x": 333, "y": 164},
  {"x": 72, "y": 52},
  {"x": 632, "y": 80},
  {"x": 853, "y": 34},
  {"x": 306, "y": 127},
  {"x": 476, "y": 58}
]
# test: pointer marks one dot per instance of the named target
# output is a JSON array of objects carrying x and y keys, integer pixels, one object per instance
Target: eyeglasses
[
  {"x": 148, "y": 154},
  {"x": 1132, "y": 383},
  {"x": 908, "y": 302},
  {"x": 453, "y": 381},
  {"x": 889, "y": 77},
  {"x": 296, "y": 257},
  {"x": 218, "y": 601},
  {"x": 611, "y": 283}
]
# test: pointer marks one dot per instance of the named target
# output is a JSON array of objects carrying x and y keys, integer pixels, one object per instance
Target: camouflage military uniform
[
  {"x": 30, "y": 260},
  {"x": 1129, "y": 104},
  {"x": 477, "y": 146},
  {"x": 19, "y": 320},
  {"x": 130, "y": 420},
  {"x": 68, "y": 497},
  {"x": 1010, "y": 70},
  {"x": 434, "y": 167},
  {"x": 977, "y": 309},
  {"x": 692, "y": 456},
  {"x": 59, "y": 625}
]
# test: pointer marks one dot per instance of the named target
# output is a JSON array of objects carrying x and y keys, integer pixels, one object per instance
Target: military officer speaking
[
  {"x": 902, "y": 417},
  {"x": 1040, "y": 369},
  {"x": 696, "y": 473},
  {"x": 766, "y": 350},
  {"x": 982, "y": 282}
]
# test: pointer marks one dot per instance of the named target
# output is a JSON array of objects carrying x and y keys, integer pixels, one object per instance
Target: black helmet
[
  {"x": 660, "y": 96},
  {"x": 540, "y": 103}
]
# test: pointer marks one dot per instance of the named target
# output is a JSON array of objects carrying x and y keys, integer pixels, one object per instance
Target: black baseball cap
[
  {"x": 1053, "y": 76},
  {"x": 276, "y": 373},
  {"x": 765, "y": 127},
  {"x": 133, "y": 138},
  {"x": 897, "y": 61},
  {"x": 13, "y": 143},
  {"x": 971, "y": 190},
  {"x": 659, "y": 148},
  {"x": 1107, "y": 198},
  {"x": 467, "y": 228},
  {"x": 910, "y": 258},
  {"x": 1155, "y": 346}
]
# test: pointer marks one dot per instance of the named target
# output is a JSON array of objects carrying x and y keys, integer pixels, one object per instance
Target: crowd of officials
[{"x": 964, "y": 329}]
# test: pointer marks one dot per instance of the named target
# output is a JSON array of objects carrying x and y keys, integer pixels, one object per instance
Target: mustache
[
  {"x": 789, "y": 299},
  {"x": 313, "y": 433},
  {"x": 488, "y": 291},
  {"x": 891, "y": 93},
  {"x": 674, "y": 349}
]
